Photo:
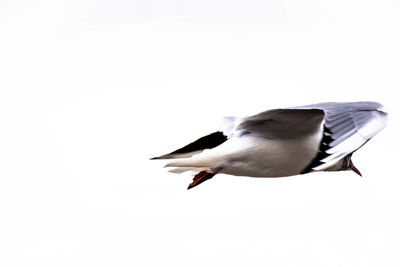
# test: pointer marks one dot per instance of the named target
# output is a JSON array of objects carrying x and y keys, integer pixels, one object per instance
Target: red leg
[{"x": 201, "y": 177}]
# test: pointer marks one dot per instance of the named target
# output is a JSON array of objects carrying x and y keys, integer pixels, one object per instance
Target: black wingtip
[
  {"x": 166, "y": 156},
  {"x": 206, "y": 142}
]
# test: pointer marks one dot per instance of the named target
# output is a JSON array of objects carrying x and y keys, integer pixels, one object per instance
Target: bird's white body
[{"x": 255, "y": 156}]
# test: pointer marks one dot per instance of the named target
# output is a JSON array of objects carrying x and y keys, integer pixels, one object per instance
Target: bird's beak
[{"x": 354, "y": 169}]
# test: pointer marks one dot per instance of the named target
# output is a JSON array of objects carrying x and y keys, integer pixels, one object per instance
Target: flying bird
[{"x": 282, "y": 142}]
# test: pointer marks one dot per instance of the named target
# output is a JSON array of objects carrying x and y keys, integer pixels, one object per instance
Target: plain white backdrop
[{"x": 89, "y": 90}]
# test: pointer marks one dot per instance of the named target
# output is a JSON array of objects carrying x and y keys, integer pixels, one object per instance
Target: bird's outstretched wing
[{"x": 347, "y": 127}]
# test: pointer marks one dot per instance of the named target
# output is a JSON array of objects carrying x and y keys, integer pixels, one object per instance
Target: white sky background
[{"x": 89, "y": 90}]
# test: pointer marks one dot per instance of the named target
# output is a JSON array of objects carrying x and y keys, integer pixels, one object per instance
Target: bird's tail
[{"x": 194, "y": 162}]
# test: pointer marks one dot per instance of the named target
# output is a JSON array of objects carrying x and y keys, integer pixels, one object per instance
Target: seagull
[{"x": 282, "y": 142}]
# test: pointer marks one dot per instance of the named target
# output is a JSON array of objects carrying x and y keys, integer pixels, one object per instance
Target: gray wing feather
[{"x": 282, "y": 123}]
